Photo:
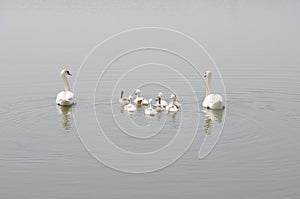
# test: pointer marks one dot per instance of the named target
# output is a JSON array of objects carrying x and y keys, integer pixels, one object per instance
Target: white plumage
[
  {"x": 123, "y": 100},
  {"x": 140, "y": 100},
  {"x": 158, "y": 107},
  {"x": 66, "y": 97},
  {"x": 130, "y": 107},
  {"x": 163, "y": 103},
  {"x": 150, "y": 111},
  {"x": 211, "y": 101},
  {"x": 172, "y": 107}
]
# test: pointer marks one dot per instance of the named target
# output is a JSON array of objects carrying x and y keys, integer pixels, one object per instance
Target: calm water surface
[{"x": 255, "y": 45}]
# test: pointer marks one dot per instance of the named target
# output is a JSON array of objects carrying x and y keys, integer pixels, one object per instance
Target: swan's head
[
  {"x": 160, "y": 94},
  {"x": 172, "y": 96},
  {"x": 150, "y": 100},
  {"x": 207, "y": 74},
  {"x": 65, "y": 72},
  {"x": 137, "y": 91},
  {"x": 121, "y": 93},
  {"x": 130, "y": 97}
]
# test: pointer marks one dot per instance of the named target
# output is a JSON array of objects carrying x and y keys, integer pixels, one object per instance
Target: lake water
[{"x": 249, "y": 150}]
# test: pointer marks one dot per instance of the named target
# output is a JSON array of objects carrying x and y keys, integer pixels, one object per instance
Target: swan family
[
  {"x": 211, "y": 101},
  {"x": 153, "y": 109}
]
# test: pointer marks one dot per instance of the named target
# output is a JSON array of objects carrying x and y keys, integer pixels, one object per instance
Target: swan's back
[
  {"x": 65, "y": 98},
  {"x": 150, "y": 111},
  {"x": 213, "y": 101},
  {"x": 124, "y": 101},
  {"x": 130, "y": 108}
]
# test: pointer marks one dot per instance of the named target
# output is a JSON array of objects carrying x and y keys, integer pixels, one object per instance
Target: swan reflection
[
  {"x": 213, "y": 120},
  {"x": 65, "y": 114},
  {"x": 212, "y": 116}
]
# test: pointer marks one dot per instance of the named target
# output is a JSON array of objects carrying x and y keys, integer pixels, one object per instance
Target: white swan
[
  {"x": 150, "y": 111},
  {"x": 158, "y": 107},
  {"x": 130, "y": 107},
  {"x": 66, "y": 97},
  {"x": 176, "y": 103},
  {"x": 171, "y": 107},
  {"x": 140, "y": 100},
  {"x": 211, "y": 101},
  {"x": 123, "y": 100},
  {"x": 163, "y": 103}
]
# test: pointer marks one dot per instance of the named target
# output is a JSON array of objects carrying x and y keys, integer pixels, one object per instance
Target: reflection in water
[
  {"x": 172, "y": 115},
  {"x": 212, "y": 115},
  {"x": 159, "y": 115},
  {"x": 213, "y": 120},
  {"x": 150, "y": 117},
  {"x": 65, "y": 112}
]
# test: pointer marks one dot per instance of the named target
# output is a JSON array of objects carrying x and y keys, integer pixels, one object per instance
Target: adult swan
[
  {"x": 211, "y": 101},
  {"x": 66, "y": 97}
]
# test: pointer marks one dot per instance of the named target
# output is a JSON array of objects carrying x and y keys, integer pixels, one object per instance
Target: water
[{"x": 255, "y": 45}]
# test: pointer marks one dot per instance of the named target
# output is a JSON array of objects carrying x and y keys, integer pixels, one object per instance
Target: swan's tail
[{"x": 64, "y": 103}]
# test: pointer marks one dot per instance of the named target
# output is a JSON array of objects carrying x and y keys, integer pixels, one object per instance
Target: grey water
[{"x": 249, "y": 150}]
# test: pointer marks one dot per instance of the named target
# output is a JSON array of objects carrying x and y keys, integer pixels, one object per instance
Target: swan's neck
[
  {"x": 208, "y": 85},
  {"x": 159, "y": 101},
  {"x": 172, "y": 101},
  {"x": 66, "y": 83},
  {"x": 121, "y": 95}
]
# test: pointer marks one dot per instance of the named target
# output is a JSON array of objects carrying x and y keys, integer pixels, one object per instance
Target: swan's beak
[{"x": 68, "y": 73}]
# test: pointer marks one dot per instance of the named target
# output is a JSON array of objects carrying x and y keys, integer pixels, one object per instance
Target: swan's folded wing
[
  {"x": 213, "y": 101},
  {"x": 69, "y": 96}
]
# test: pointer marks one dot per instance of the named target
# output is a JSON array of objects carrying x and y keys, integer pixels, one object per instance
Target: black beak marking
[{"x": 68, "y": 72}]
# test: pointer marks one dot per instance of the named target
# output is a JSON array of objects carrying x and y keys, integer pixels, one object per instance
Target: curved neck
[
  {"x": 66, "y": 83},
  {"x": 208, "y": 86},
  {"x": 121, "y": 95}
]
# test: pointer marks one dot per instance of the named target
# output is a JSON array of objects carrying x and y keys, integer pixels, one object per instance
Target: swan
[
  {"x": 65, "y": 98},
  {"x": 123, "y": 100},
  {"x": 163, "y": 103},
  {"x": 150, "y": 111},
  {"x": 211, "y": 101},
  {"x": 140, "y": 100},
  {"x": 130, "y": 107},
  {"x": 171, "y": 107},
  {"x": 158, "y": 106},
  {"x": 175, "y": 102}
]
